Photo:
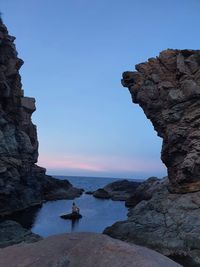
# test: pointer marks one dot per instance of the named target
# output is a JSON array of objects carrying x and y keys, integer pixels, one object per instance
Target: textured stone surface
[
  {"x": 144, "y": 191},
  {"x": 22, "y": 182},
  {"x": 82, "y": 250},
  {"x": 168, "y": 90},
  {"x": 12, "y": 233},
  {"x": 119, "y": 190},
  {"x": 168, "y": 223}
]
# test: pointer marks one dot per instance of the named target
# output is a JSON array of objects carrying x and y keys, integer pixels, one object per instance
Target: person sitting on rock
[{"x": 75, "y": 209}]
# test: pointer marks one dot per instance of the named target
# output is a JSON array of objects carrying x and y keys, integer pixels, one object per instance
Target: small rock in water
[{"x": 71, "y": 216}]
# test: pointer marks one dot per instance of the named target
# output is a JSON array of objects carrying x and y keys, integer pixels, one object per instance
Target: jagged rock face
[
  {"x": 18, "y": 137},
  {"x": 167, "y": 223},
  {"x": 168, "y": 90},
  {"x": 22, "y": 182}
]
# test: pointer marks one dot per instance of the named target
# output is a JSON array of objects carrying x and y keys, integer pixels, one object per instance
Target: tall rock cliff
[
  {"x": 168, "y": 90},
  {"x": 22, "y": 182}
]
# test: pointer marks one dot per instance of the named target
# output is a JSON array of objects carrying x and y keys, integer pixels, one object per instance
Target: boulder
[
  {"x": 12, "y": 233},
  {"x": 55, "y": 189},
  {"x": 168, "y": 90},
  {"x": 119, "y": 190},
  {"x": 101, "y": 193},
  {"x": 82, "y": 249}
]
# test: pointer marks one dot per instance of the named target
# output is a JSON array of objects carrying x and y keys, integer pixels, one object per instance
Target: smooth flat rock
[
  {"x": 82, "y": 250},
  {"x": 71, "y": 216}
]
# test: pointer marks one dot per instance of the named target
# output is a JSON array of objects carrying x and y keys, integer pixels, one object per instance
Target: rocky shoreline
[{"x": 167, "y": 223}]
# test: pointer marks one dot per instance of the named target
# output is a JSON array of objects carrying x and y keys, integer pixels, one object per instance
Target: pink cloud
[
  {"x": 67, "y": 163},
  {"x": 100, "y": 164}
]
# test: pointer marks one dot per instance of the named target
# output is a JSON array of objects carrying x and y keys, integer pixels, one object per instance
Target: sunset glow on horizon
[{"x": 100, "y": 166}]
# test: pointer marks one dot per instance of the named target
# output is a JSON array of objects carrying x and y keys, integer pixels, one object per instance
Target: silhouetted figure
[{"x": 75, "y": 209}]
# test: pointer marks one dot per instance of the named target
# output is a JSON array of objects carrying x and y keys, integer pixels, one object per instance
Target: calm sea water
[{"x": 97, "y": 213}]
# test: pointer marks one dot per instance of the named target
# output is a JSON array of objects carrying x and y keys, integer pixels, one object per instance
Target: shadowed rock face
[
  {"x": 168, "y": 90},
  {"x": 118, "y": 190},
  {"x": 167, "y": 223},
  {"x": 22, "y": 182}
]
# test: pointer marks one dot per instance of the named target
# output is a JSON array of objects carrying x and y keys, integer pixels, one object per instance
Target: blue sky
[{"x": 75, "y": 53}]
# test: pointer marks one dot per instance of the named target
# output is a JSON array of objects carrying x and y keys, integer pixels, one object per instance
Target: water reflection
[
  {"x": 97, "y": 215},
  {"x": 74, "y": 225}
]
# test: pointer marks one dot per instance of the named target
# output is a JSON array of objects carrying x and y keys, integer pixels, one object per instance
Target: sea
[{"x": 97, "y": 213}]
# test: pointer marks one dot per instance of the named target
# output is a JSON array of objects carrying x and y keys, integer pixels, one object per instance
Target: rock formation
[
  {"x": 168, "y": 223},
  {"x": 118, "y": 190},
  {"x": 22, "y": 182},
  {"x": 12, "y": 233},
  {"x": 168, "y": 90},
  {"x": 144, "y": 191},
  {"x": 82, "y": 249}
]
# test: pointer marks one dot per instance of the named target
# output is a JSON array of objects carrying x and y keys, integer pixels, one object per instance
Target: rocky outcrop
[
  {"x": 54, "y": 189},
  {"x": 144, "y": 191},
  {"x": 101, "y": 193},
  {"x": 12, "y": 233},
  {"x": 168, "y": 90},
  {"x": 82, "y": 249},
  {"x": 22, "y": 182},
  {"x": 119, "y": 190},
  {"x": 167, "y": 223}
]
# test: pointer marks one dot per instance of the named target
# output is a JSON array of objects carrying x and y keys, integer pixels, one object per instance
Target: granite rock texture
[
  {"x": 12, "y": 233},
  {"x": 82, "y": 250},
  {"x": 168, "y": 90},
  {"x": 22, "y": 182},
  {"x": 167, "y": 223},
  {"x": 144, "y": 191}
]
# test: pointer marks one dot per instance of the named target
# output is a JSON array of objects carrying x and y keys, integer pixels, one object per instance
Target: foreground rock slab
[
  {"x": 168, "y": 223},
  {"x": 168, "y": 90},
  {"x": 82, "y": 249},
  {"x": 118, "y": 190},
  {"x": 12, "y": 233}
]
